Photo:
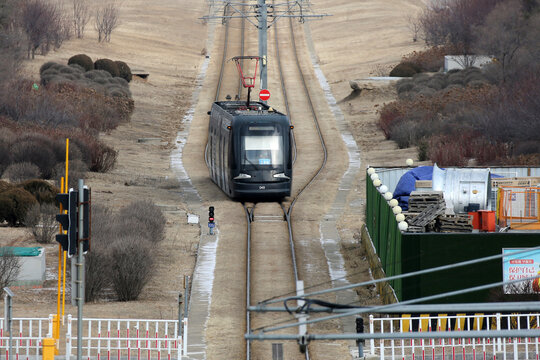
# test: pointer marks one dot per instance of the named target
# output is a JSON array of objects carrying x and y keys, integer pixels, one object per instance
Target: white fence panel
[
  {"x": 27, "y": 336},
  {"x": 431, "y": 348},
  {"x": 132, "y": 338}
]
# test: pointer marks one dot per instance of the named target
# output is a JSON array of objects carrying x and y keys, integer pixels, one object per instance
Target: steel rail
[
  {"x": 286, "y": 211},
  {"x": 284, "y": 89},
  {"x": 249, "y": 218},
  {"x": 315, "y": 120}
]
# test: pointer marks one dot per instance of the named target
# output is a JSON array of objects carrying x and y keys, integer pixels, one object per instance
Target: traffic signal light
[
  {"x": 87, "y": 214},
  {"x": 211, "y": 214},
  {"x": 360, "y": 328},
  {"x": 68, "y": 221}
]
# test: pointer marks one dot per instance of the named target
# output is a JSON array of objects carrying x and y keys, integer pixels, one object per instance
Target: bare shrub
[
  {"x": 106, "y": 20},
  {"x": 103, "y": 158},
  {"x": 107, "y": 65},
  {"x": 404, "y": 85},
  {"x": 14, "y": 203},
  {"x": 46, "y": 66},
  {"x": 44, "y": 25},
  {"x": 97, "y": 260},
  {"x": 97, "y": 270},
  {"x": 149, "y": 217},
  {"x": 431, "y": 59},
  {"x": 81, "y": 16},
  {"x": 404, "y": 70},
  {"x": 4, "y": 185},
  {"x": 5, "y": 145},
  {"x": 124, "y": 70},
  {"x": 41, "y": 222},
  {"x": 77, "y": 170},
  {"x": 35, "y": 152},
  {"x": 44, "y": 192},
  {"x": 10, "y": 266},
  {"x": 82, "y": 59},
  {"x": 21, "y": 171},
  {"x": 131, "y": 266}
]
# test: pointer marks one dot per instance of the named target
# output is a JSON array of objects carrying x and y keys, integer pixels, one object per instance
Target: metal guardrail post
[
  {"x": 68, "y": 337},
  {"x": 8, "y": 296},
  {"x": 186, "y": 303},
  {"x": 371, "y": 331}
]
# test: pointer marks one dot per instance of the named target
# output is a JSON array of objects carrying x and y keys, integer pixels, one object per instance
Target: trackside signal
[
  {"x": 211, "y": 224},
  {"x": 68, "y": 221}
]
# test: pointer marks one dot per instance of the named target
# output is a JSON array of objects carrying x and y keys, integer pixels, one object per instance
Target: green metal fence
[{"x": 383, "y": 229}]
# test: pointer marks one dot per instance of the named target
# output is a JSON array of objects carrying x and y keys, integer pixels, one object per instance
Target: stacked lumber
[
  {"x": 424, "y": 207},
  {"x": 427, "y": 212},
  {"x": 420, "y": 200},
  {"x": 454, "y": 223}
]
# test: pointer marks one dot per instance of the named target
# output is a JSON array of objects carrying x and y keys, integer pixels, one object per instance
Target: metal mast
[
  {"x": 262, "y": 16},
  {"x": 263, "y": 40}
]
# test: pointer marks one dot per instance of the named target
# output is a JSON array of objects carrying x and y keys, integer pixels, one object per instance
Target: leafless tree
[
  {"x": 44, "y": 25},
  {"x": 81, "y": 17},
  {"x": 452, "y": 22},
  {"x": 10, "y": 267},
  {"x": 413, "y": 23},
  {"x": 503, "y": 34},
  {"x": 106, "y": 20}
]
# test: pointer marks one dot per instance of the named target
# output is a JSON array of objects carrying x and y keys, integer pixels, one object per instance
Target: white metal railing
[
  {"x": 431, "y": 347},
  {"x": 27, "y": 336},
  {"x": 134, "y": 338}
]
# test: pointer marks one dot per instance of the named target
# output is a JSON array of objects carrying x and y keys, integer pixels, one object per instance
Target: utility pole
[
  {"x": 258, "y": 15},
  {"x": 80, "y": 271},
  {"x": 263, "y": 41}
]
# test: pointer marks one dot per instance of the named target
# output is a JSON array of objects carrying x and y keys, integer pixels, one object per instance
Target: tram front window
[{"x": 262, "y": 145}]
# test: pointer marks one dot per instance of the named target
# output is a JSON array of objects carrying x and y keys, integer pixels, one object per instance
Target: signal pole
[{"x": 257, "y": 14}]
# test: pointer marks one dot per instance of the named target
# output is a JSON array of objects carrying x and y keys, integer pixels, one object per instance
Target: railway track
[
  {"x": 293, "y": 285},
  {"x": 271, "y": 260}
]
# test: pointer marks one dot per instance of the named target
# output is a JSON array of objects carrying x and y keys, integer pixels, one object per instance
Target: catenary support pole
[
  {"x": 263, "y": 36},
  {"x": 80, "y": 271}
]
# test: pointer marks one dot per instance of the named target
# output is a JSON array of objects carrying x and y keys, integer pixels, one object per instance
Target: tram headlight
[
  {"x": 242, "y": 176},
  {"x": 281, "y": 176}
]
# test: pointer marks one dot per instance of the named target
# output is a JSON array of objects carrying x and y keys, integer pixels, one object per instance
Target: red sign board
[{"x": 264, "y": 94}]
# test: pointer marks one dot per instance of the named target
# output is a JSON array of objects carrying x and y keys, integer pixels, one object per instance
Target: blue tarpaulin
[{"x": 407, "y": 184}]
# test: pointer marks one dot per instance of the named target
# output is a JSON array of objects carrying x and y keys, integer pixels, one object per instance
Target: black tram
[{"x": 249, "y": 150}]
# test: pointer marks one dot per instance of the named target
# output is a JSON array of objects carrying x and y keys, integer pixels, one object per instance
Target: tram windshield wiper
[{"x": 250, "y": 162}]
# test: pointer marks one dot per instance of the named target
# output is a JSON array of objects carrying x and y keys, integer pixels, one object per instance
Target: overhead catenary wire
[
  {"x": 402, "y": 276},
  {"x": 383, "y": 307}
]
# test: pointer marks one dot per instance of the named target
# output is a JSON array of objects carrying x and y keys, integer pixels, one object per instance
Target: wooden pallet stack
[
  {"x": 454, "y": 223},
  {"x": 424, "y": 208},
  {"x": 427, "y": 213}
]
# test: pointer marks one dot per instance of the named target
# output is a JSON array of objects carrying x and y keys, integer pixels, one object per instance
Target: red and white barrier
[{"x": 414, "y": 348}]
